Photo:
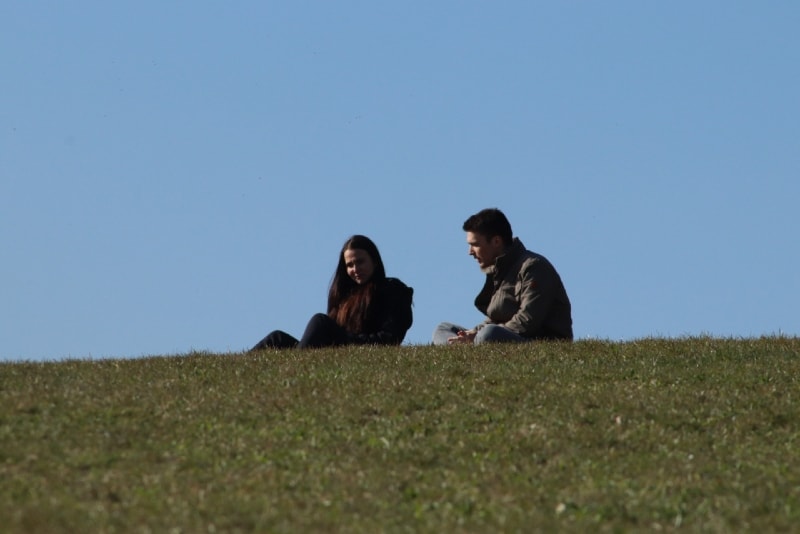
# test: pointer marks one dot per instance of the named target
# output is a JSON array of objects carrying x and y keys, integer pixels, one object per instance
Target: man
[{"x": 523, "y": 297}]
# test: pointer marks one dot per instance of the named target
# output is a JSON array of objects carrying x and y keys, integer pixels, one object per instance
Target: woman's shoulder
[
  {"x": 395, "y": 283},
  {"x": 396, "y": 287}
]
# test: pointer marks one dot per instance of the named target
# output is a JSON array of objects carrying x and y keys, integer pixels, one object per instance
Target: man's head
[{"x": 488, "y": 236}]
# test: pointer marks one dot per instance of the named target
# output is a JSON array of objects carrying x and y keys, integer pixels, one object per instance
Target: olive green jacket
[{"x": 524, "y": 293}]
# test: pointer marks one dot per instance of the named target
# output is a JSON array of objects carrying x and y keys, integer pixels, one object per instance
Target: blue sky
[{"x": 181, "y": 176}]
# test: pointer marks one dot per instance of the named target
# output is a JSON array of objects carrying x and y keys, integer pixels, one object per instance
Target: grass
[{"x": 696, "y": 434}]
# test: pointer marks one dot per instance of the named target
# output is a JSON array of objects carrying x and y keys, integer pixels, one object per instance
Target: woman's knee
[
  {"x": 319, "y": 319},
  {"x": 322, "y": 331}
]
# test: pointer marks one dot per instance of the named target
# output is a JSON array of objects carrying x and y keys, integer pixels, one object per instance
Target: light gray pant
[{"x": 491, "y": 333}]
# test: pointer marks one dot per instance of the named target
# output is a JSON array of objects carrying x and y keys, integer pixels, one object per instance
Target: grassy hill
[{"x": 694, "y": 434}]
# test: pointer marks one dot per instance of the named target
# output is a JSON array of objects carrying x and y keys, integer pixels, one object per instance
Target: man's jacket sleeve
[{"x": 536, "y": 286}]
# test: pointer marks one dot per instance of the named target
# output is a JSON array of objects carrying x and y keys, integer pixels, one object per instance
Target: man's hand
[{"x": 463, "y": 337}]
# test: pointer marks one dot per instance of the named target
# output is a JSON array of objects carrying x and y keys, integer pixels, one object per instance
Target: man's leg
[
  {"x": 445, "y": 331},
  {"x": 492, "y": 333}
]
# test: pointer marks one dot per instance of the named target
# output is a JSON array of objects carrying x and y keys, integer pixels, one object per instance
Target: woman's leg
[
  {"x": 322, "y": 331},
  {"x": 277, "y": 339},
  {"x": 445, "y": 331}
]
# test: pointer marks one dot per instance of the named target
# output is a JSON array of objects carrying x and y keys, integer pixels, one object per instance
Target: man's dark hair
[{"x": 489, "y": 223}]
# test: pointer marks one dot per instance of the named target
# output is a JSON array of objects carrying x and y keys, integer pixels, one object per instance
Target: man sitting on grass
[{"x": 523, "y": 297}]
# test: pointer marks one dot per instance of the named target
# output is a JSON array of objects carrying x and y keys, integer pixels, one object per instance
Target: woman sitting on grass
[{"x": 364, "y": 306}]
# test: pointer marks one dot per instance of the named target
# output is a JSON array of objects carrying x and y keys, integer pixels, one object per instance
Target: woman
[{"x": 364, "y": 306}]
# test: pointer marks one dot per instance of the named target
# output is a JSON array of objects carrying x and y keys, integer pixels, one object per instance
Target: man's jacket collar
[{"x": 511, "y": 255}]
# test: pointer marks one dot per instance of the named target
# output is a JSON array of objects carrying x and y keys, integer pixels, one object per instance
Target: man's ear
[{"x": 497, "y": 241}]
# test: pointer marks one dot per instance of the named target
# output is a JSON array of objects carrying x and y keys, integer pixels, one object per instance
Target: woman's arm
[{"x": 393, "y": 316}]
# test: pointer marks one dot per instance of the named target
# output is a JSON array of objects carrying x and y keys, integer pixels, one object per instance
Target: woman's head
[
  {"x": 360, "y": 265},
  {"x": 360, "y": 262}
]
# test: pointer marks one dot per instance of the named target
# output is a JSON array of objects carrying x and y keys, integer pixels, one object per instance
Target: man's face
[{"x": 485, "y": 250}]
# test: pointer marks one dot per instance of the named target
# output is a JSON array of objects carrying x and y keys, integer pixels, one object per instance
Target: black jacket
[{"x": 389, "y": 316}]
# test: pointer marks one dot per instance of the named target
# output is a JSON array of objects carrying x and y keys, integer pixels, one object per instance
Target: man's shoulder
[
  {"x": 521, "y": 254},
  {"x": 530, "y": 260},
  {"x": 531, "y": 255}
]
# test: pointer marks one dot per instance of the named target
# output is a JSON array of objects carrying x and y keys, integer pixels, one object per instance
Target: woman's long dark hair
[{"x": 348, "y": 302}]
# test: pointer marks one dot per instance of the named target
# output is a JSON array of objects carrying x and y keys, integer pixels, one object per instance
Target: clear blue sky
[{"x": 181, "y": 176}]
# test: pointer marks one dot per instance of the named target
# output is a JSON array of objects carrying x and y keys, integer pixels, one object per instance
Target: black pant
[{"x": 321, "y": 331}]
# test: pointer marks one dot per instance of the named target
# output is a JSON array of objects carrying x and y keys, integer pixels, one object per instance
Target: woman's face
[{"x": 359, "y": 265}]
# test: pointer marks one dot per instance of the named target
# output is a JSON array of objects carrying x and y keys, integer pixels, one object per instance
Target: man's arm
[{"x": 538, "y": 290}]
